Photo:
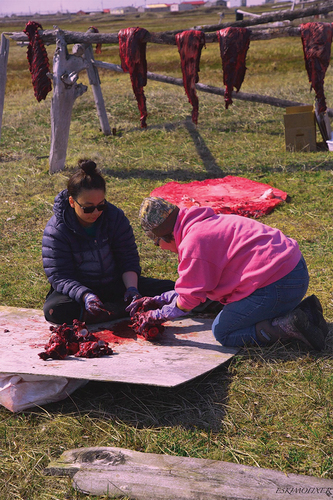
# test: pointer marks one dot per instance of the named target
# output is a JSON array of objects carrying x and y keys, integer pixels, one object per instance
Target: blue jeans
[{"x": 234, "y": 326}]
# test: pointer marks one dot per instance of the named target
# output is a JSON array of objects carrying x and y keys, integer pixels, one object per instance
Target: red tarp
[{"x": 230, "y": 195}]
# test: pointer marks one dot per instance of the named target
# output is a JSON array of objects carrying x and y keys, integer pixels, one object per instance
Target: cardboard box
[{"x": 300, "y": 128}]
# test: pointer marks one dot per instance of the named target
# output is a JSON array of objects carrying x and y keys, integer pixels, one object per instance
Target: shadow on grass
[{"x": 200, "y": 403}]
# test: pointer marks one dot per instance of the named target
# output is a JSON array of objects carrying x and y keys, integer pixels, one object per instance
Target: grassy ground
[{"x": 269, "y": 407}]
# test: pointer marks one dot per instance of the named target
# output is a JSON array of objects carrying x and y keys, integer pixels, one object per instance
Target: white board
[{"x": 185, "y": 350}]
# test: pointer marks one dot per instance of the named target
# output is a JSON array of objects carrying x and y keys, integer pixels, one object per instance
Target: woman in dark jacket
[{"x": 90, "y": 256}]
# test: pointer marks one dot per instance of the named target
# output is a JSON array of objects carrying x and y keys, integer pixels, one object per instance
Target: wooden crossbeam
[{"x": 168, "y": 37}]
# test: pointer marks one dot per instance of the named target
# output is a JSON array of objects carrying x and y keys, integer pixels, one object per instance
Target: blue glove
[
  {"x": 131, "y": 294},
  {"x": 169, "y": 311},
  {"x": 93, "y": 304},
  {"x": 148, "y": 303}
]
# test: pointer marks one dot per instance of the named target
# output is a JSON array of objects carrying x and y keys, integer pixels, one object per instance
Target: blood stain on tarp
[{"x": 121, "y": 333}]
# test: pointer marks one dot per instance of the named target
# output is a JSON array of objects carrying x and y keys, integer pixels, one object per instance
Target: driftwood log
[
  {"x": 168, "y": 37},
  {"x": 4, "y": 51},
  {"x": 119, "y": 472}
]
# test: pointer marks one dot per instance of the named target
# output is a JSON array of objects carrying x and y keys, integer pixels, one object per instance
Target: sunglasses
[{"x": 89, "y": 210}]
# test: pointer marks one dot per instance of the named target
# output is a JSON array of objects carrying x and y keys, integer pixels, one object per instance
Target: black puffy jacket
[{"x": 76, "y": 263}]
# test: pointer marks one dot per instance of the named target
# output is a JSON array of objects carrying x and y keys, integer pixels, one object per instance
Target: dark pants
[{"x": 59, "y": 308}]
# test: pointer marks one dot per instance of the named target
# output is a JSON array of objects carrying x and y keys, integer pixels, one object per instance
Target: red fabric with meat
[
  {"x": 38, "y": 61},
  {"x": 132, "y": 50},
  {"x": 234, "y": 44},
  {"x": 190, "y": 44},
  {"x": 230, "y": 195},
  {"x": 317, "y": 40}
]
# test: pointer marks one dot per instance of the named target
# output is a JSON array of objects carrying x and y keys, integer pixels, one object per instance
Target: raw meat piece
[
  {"x": 317, "y": 40},
  {"x": 93, "y": 349},
  {"x": 230, "y": 195},
  {"x": 234, "y": 44},
  {"x": 77, "y": 340},
  {"x": 38, "y": 61},
  {"x": 190, "y": 44},
  {"x": 98, "y": 48},
  {"x": 132, "y": 50},
  {"x": 152, "y": 329}
]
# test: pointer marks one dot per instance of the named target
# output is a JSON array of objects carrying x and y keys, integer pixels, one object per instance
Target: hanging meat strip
[
  {"x": 38, "y": 61},
  {"x": 132, "y": 49},
  {"x": 190, "y": 44},
  {"x": 234, "y": 44},
  {"x": 98, "y": 48},
  {"x": 316, "y": 40}
]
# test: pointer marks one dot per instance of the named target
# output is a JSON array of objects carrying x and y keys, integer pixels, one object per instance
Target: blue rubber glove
[
  {"x": 93, "y": 304},
  {"x": 132, "y": 293},
  {"x": 158, "y": 316},
  {"x": 148, "y": 303}
]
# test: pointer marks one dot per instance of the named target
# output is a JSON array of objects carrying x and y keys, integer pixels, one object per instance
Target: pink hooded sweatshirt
[{"x": 227, "y": 257}]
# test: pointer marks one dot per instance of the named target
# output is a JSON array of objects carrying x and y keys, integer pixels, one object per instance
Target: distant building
[
  {"x": 174, "y": 7},
  {"x": 106, "y": 11},
  {"x": 216, "y": 3},
  {"x": 157, "y": 7},
  {"x": 191, "y": 5},
  {"x": 120, "y": 11},
  {"x": 81, "y": 13},
  {"x": 231, "y": 4}
]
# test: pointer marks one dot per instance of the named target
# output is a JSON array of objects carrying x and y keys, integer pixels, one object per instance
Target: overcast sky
[{"x": 8, "y": 7}]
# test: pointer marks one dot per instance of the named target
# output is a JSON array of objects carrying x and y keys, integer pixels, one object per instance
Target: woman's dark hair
[{"x": 86, "y": 177}]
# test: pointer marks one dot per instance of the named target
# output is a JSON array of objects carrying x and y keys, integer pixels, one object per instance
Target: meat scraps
[
  {"x": 234, "y": 44},
  {"x": 38, "y": 61},
  {"x": 132, "y": 50},
  {"x": 77, "y": 340},
  {"x": 190, "y": 44},
  {"x": 317, "y": 40},
  {"x": 150, "y": 331}
]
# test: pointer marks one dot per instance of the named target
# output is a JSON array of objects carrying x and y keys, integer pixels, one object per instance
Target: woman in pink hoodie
[{"x": 256, "y": 272}]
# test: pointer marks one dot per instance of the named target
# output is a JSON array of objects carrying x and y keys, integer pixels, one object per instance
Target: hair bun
[{"x": 88, "y": 166}]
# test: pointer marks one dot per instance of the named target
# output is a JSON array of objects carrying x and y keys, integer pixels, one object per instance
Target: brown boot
[{"x": 294, "y": 326}]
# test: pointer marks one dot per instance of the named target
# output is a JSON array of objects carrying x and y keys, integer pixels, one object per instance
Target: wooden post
[
  {"x": 4, "y": 51},
  {"x": 66, "y": 69},
  {"x": 97, "y": 91}
]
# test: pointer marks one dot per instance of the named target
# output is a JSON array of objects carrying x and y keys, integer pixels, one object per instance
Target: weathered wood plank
[{"x": 148, "y": 476}]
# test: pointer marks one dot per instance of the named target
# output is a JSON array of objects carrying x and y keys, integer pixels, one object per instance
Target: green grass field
[{"x": 269, "y": 407}]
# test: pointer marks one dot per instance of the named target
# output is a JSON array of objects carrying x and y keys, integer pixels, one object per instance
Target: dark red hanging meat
[
  {"x": 317, "y": 40},
  {"x": 98, "y": 49},
  {"x": 38, "y": 61},
  {"x": 234, "y": 44},
  {"x": 132, "y": 50},
  {"x": 190, "y": 44}
]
